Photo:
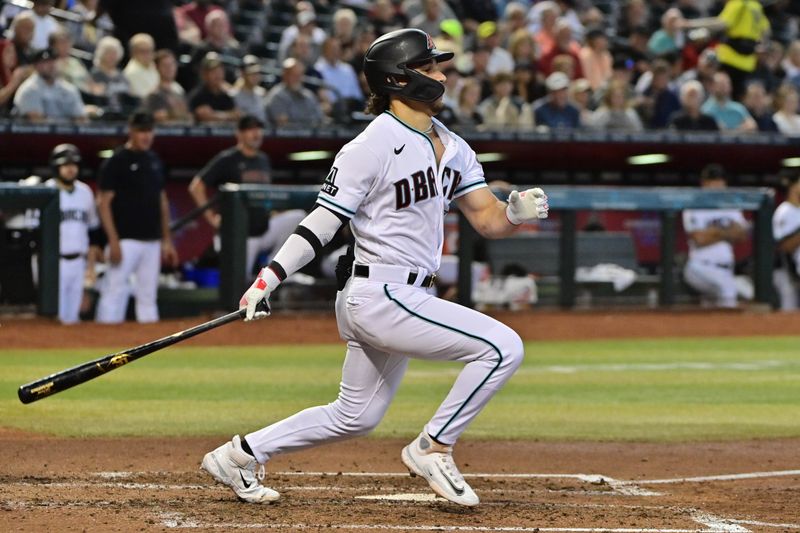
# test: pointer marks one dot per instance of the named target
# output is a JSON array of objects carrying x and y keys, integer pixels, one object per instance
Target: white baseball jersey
[
  {"x": 720, "y": 253},
  {"x": 396, "y": 165},
  {"x": 785, "y": 222},
  {"x": 78, "y": 216}
]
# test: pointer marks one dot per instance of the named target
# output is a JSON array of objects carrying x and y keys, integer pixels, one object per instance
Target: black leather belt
[
  {"x": 362, "y": 271},
  {"x": 70, "y": 257}
]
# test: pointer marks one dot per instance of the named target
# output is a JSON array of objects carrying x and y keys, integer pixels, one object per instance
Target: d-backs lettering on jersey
[
  {"x": 78, "y": 216},
  {"x": 388, "y": 182}
]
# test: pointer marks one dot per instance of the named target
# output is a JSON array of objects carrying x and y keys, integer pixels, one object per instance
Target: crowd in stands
[{"x": 623, "y": 65}]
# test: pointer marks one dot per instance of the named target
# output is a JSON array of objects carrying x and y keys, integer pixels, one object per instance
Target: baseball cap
[
  {"x": 557, "y": 81},
  {"x": 249, "y": 121},
  {"x": 580, "y": 85},
  {"x": 44, "y": 54},
  {"x": 141, "y": 120},
  {"x": 487, "y": 29},
  {"x": 210, "y": 61},
  {"x": 251, "y": 64}
]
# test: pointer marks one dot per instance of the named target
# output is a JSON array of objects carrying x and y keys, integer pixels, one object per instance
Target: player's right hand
[
  {"x": 258, "y": 291},
  {"x": 114, "y": 253}
]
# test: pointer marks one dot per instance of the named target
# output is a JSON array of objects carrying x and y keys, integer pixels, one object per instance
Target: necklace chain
[{"x": 430, "y": 129}]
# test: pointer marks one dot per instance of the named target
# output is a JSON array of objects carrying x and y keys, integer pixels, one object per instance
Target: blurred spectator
[
  {"x": 756, "y": 101},
  {"x": 732, "y": 116},
  {"x": 414, "y": 8},
  {"x": 500, "y": 59},
  {"x": 526, "y": 84},
  {"x": 595, "y": 59},
  {"x": 69, "y": 68},
  {"x": 86, "y": 34},
  {"x": 514, "y": 21},
  {"x": 154, "y": 17},
  {"x": 768, "y": 66},
  {"x": 744, "y": 24},
  {"x": 786, "y": 104},
  {"x": 479, "y": 60},
  {"x": 45, "y": 23},
  {"x": 580, "y": 95},
  {"x": 544, "y": 32},
  {"x": 633, "y": 14},
  {"x": 670, "y": 37},
  {"x": 430, "y": 19},
  {"x": 566, "y": 63},
  {"x": 302, "y": 51},
  {"x": 44, "y": 96},
  {"x": 563, "y": 44},
  {"x": 635, "y": 47},
  {"x": 659, "y": 101},
  {"x": 502, "y": 109},
  {"x": 249, "y": 95},
  {"x": 108, "y": 82},
  {"x": 711, "y": 234},
  {"x": 467, "y": 113},
  {"x": 289, "y": 103},
  {"x": 452, "y": 86},
  {"x": 707, "y": 67},
  {"x": 385, "y": 17},
  {"x": 218, "y": 39},
  {"x": 616, "y": 111},
  {"x": 7, "y": 91},
  {"x": 786, "y": 232},
  {"x": 569, "y": 14},
  {"x": 210, "y": 101},
  {"x": 246, "y": 163},
  {"x": 365, "y": 38},
  {"x": 141, "y": 70},
  {"x": 556, "y": 111},
  {"x": 522, "y": 48},
  {"x": 791, "y": 63},
  {"x": 344, "y": 29},
  {"x": 134, "y": 211},
  {"x": 306, "y": 24},
  {"x": 17, "y": 50},
  {"x": 341, "y": 83},
  {"x": 190, "y": 20},
  {"x": 691, "y": 118},
  {"x": 168, "y": 102}
]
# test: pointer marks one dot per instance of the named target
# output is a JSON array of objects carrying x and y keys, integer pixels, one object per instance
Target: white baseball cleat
[
  {"x": 434, "y": 462},
  {"x": 234, "y": 467}
]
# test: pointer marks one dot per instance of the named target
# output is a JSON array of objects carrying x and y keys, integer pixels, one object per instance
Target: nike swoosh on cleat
[
  {"x": 459, "y": 492},
  {"x": 245, "y": 483},
  {"x": 398, "y": 150}
]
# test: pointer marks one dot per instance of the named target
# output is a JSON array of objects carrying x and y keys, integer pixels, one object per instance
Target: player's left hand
[
  {"x": 526, "y": 205},
  {"x": 257, "y": 292},
  {"x": 169, "y": 254}
]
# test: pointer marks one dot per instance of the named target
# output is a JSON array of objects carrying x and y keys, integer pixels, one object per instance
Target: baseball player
[
  {"x": 786, "y": 230},
  {"x": 711, "y": 233},
  {"x": 79, "y": 228},
  {"x": 393, "y": 185}
]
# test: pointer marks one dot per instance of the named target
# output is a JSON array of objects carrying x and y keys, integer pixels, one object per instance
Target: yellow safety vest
[{"x": 744, "y": 19}]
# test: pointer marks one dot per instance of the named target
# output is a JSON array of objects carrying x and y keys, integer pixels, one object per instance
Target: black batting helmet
[
  {"x": 392, "y": 58},
  {"x": 64, "y": 154}
]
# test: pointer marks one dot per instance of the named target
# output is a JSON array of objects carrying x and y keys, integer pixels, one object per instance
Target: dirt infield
[{"x": 147, "y": 484}]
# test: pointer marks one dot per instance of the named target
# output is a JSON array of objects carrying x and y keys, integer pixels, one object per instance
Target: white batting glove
[
  {"x": 526, "y": 205},
  {"x": 258, "y": 291}
]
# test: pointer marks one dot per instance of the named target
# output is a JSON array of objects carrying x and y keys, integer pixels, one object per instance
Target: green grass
[{"x": 653, "y": 390}]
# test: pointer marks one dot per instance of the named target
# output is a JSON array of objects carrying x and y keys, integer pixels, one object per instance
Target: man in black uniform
[
  {"x": 246, "y": 163},
  {"x": 134, "y": 211}
]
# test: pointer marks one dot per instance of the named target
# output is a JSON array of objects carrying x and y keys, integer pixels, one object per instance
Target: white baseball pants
[
  {"x": 715, "y": 283},
  {"x": 70, "y": 289},
  {"x": 281, "y": 226},
  {"x": 142, "y": 258},
  {"x": 385, "y": 324},
  {"x": 786, "y": 289}
]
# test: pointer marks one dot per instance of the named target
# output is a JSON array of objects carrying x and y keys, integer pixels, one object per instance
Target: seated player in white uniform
[
  {"x": 711, "y": 233},
  {"x": 786, "y": 230},
  {"x": 393, "y": 184}
]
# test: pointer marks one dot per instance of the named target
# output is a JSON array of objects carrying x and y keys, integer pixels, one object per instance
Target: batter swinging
[{"x": 393, "y": 184}]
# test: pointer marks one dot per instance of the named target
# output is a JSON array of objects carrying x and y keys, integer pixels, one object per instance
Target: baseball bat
[{"x": 60, "y": 381}]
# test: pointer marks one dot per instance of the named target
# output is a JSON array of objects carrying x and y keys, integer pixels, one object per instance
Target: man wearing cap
[
  {"x": 248, "y": 94},
  {"x": 246, "y": 163},
  {"x": 210, "y": 101},
  {"x": 291, "y": 104},
  {"x": 134, "y": 211},
  {"x": 500, "y": 59},
  {"x": 44, "y": 96},
  {"x": 556, "y": 112}
]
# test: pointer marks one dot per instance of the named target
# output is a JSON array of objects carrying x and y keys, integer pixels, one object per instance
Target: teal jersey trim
[
  {"x": 334, "y": 204},
  {"x": 415, "y": 130},
  {"x": 451, "y": 328}
]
